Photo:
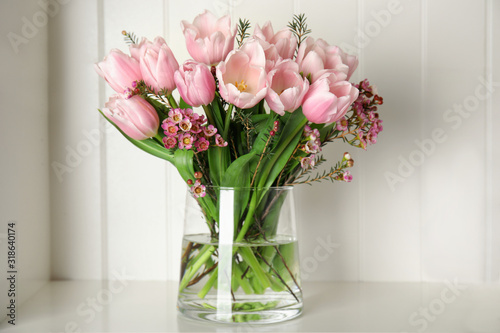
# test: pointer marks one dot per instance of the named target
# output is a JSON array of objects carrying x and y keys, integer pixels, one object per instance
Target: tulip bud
[
  {"x": 134, "y": 116},
  {"x": 119, "y": 70},
  {"x": 328, "y": 99},
  {"x": 158, "y": 65},
  {"x": 195, "y": 83}
]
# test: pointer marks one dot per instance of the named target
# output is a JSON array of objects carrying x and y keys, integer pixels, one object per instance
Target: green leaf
[
  {"x": 325, "y": 130},
  {"x": 184, "y": 105},
  {"x": 219, "y": 114},
  {"x": 218, "y": 161},
  {"x": 290, "y": 137},
  {"x": 150, "y": 146},
  {"x": 160, "y": 108},
  {"x": 184, "y": 163},
  {"x": 238, "y": 175}
]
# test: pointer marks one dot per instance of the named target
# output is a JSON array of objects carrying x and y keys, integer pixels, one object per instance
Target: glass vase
[{"x": 240, "y": 260}]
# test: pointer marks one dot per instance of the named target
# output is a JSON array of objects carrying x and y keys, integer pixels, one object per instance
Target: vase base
[
  {"x": 257, "y": 318},
  {"x": 261, "y": 311}
]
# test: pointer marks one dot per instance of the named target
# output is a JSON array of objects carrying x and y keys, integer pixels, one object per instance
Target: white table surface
[{"x": 90, "y": 306}]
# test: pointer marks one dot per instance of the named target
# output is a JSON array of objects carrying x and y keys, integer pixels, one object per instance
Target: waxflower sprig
[{"x": 362, "y": 124}]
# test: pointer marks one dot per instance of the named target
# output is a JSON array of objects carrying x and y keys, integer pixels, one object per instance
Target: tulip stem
[
  {"x": 227, "y": 122},
  {"x": 172, "y": 102},
  {"x": 210, "y": 116}
]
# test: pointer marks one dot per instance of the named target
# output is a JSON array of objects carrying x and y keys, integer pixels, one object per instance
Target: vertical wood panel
[
  {"x": 253, "y": 11},
  {"x": 75, "y": 141},
  {"x": 135, "y": 180},
  {"x": 493, "y": 139},
  {"x": 453, "y": 179},
  {"x": 391, "y": 60},
  {"x": 24, "y": 164},
  {"x": 333, "y": 207}
]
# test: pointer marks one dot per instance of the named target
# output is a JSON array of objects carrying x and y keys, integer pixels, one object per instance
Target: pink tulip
[
  {"x": 208, "y": 39},
  {"x": 119, "y": 70},
  {"x": 195, "y": 83},
  {"x": 158, "y": 65},
  {"x": 136, "y": 50},
  {"x": 242, "y": 76},
  {"x": 287, "y": 88},
  {"x": 134, "y": 116},
  {"x": 317, "y": 57},
  {"x": 270, "y": 51},
  {"x": 284, "y": 40},
  {"x": 350, "y": 60},
  {"x": 328, "y": 99}
]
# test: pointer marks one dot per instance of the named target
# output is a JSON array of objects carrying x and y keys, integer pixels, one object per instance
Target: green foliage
[
  {"x": 284, "y": 148},
  {"x": 299, "y": 28},
  {"x": 243, "y": 27}
]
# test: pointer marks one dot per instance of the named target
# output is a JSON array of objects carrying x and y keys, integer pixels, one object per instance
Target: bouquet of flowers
[{"x": 252, "y": 113}]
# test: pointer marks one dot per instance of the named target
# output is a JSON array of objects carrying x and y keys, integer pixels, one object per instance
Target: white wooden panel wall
[
  {"x": 425, "y": 201},
  {"x": 24, "y": 147},
  {"x": 76, "y": 144}
]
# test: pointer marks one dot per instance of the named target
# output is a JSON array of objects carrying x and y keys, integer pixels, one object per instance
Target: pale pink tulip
[
  {"x": 242, "y": 76},
  {"x": 328, "y": 99},
  {"x": 287, "y": 88},
  {"x": 208, "y": 39},
  {"x": 134, "y": 116},
  {"x": 136, "y": 50},
  {"x": 270, "y": 51},
  {"x": 195, "y": 83},
  {"x": 317, "y": 57},
  {"x": 284, "y": 41},
  {"x": 119, "y": 70},
  {"x": 350, "y": 60},
  {"x": 158, "y": 65}
]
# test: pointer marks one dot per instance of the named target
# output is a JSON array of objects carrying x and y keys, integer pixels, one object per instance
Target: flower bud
[
  {"x": 119, "y": 70},
  {"x": 195, "y": 83},
  {"x": 134, "y": 116},
  {"x": 158, "y": 65}
]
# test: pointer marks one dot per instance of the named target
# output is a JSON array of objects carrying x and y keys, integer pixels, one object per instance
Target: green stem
[
  {"x": 210, "y": 115},
  {"x": 172, "y": 102},
  {"x": 249, "y": 257},
  {"x": 237, "y": 274},
  {"x": 159, "y": 138},
  {"x": 210, "y": 283},
  {"x": 202, "y": 257},
  {"x": 227, "y": 122},
  {"x": 279, "y": 150},
  {"x": 248, "y": 220}
]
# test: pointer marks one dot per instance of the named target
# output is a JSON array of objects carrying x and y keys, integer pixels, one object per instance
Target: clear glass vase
[{"x": 240, "y": 260}]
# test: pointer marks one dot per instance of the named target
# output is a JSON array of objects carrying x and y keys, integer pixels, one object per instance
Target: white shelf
[{"x": 66, "y": 306}]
